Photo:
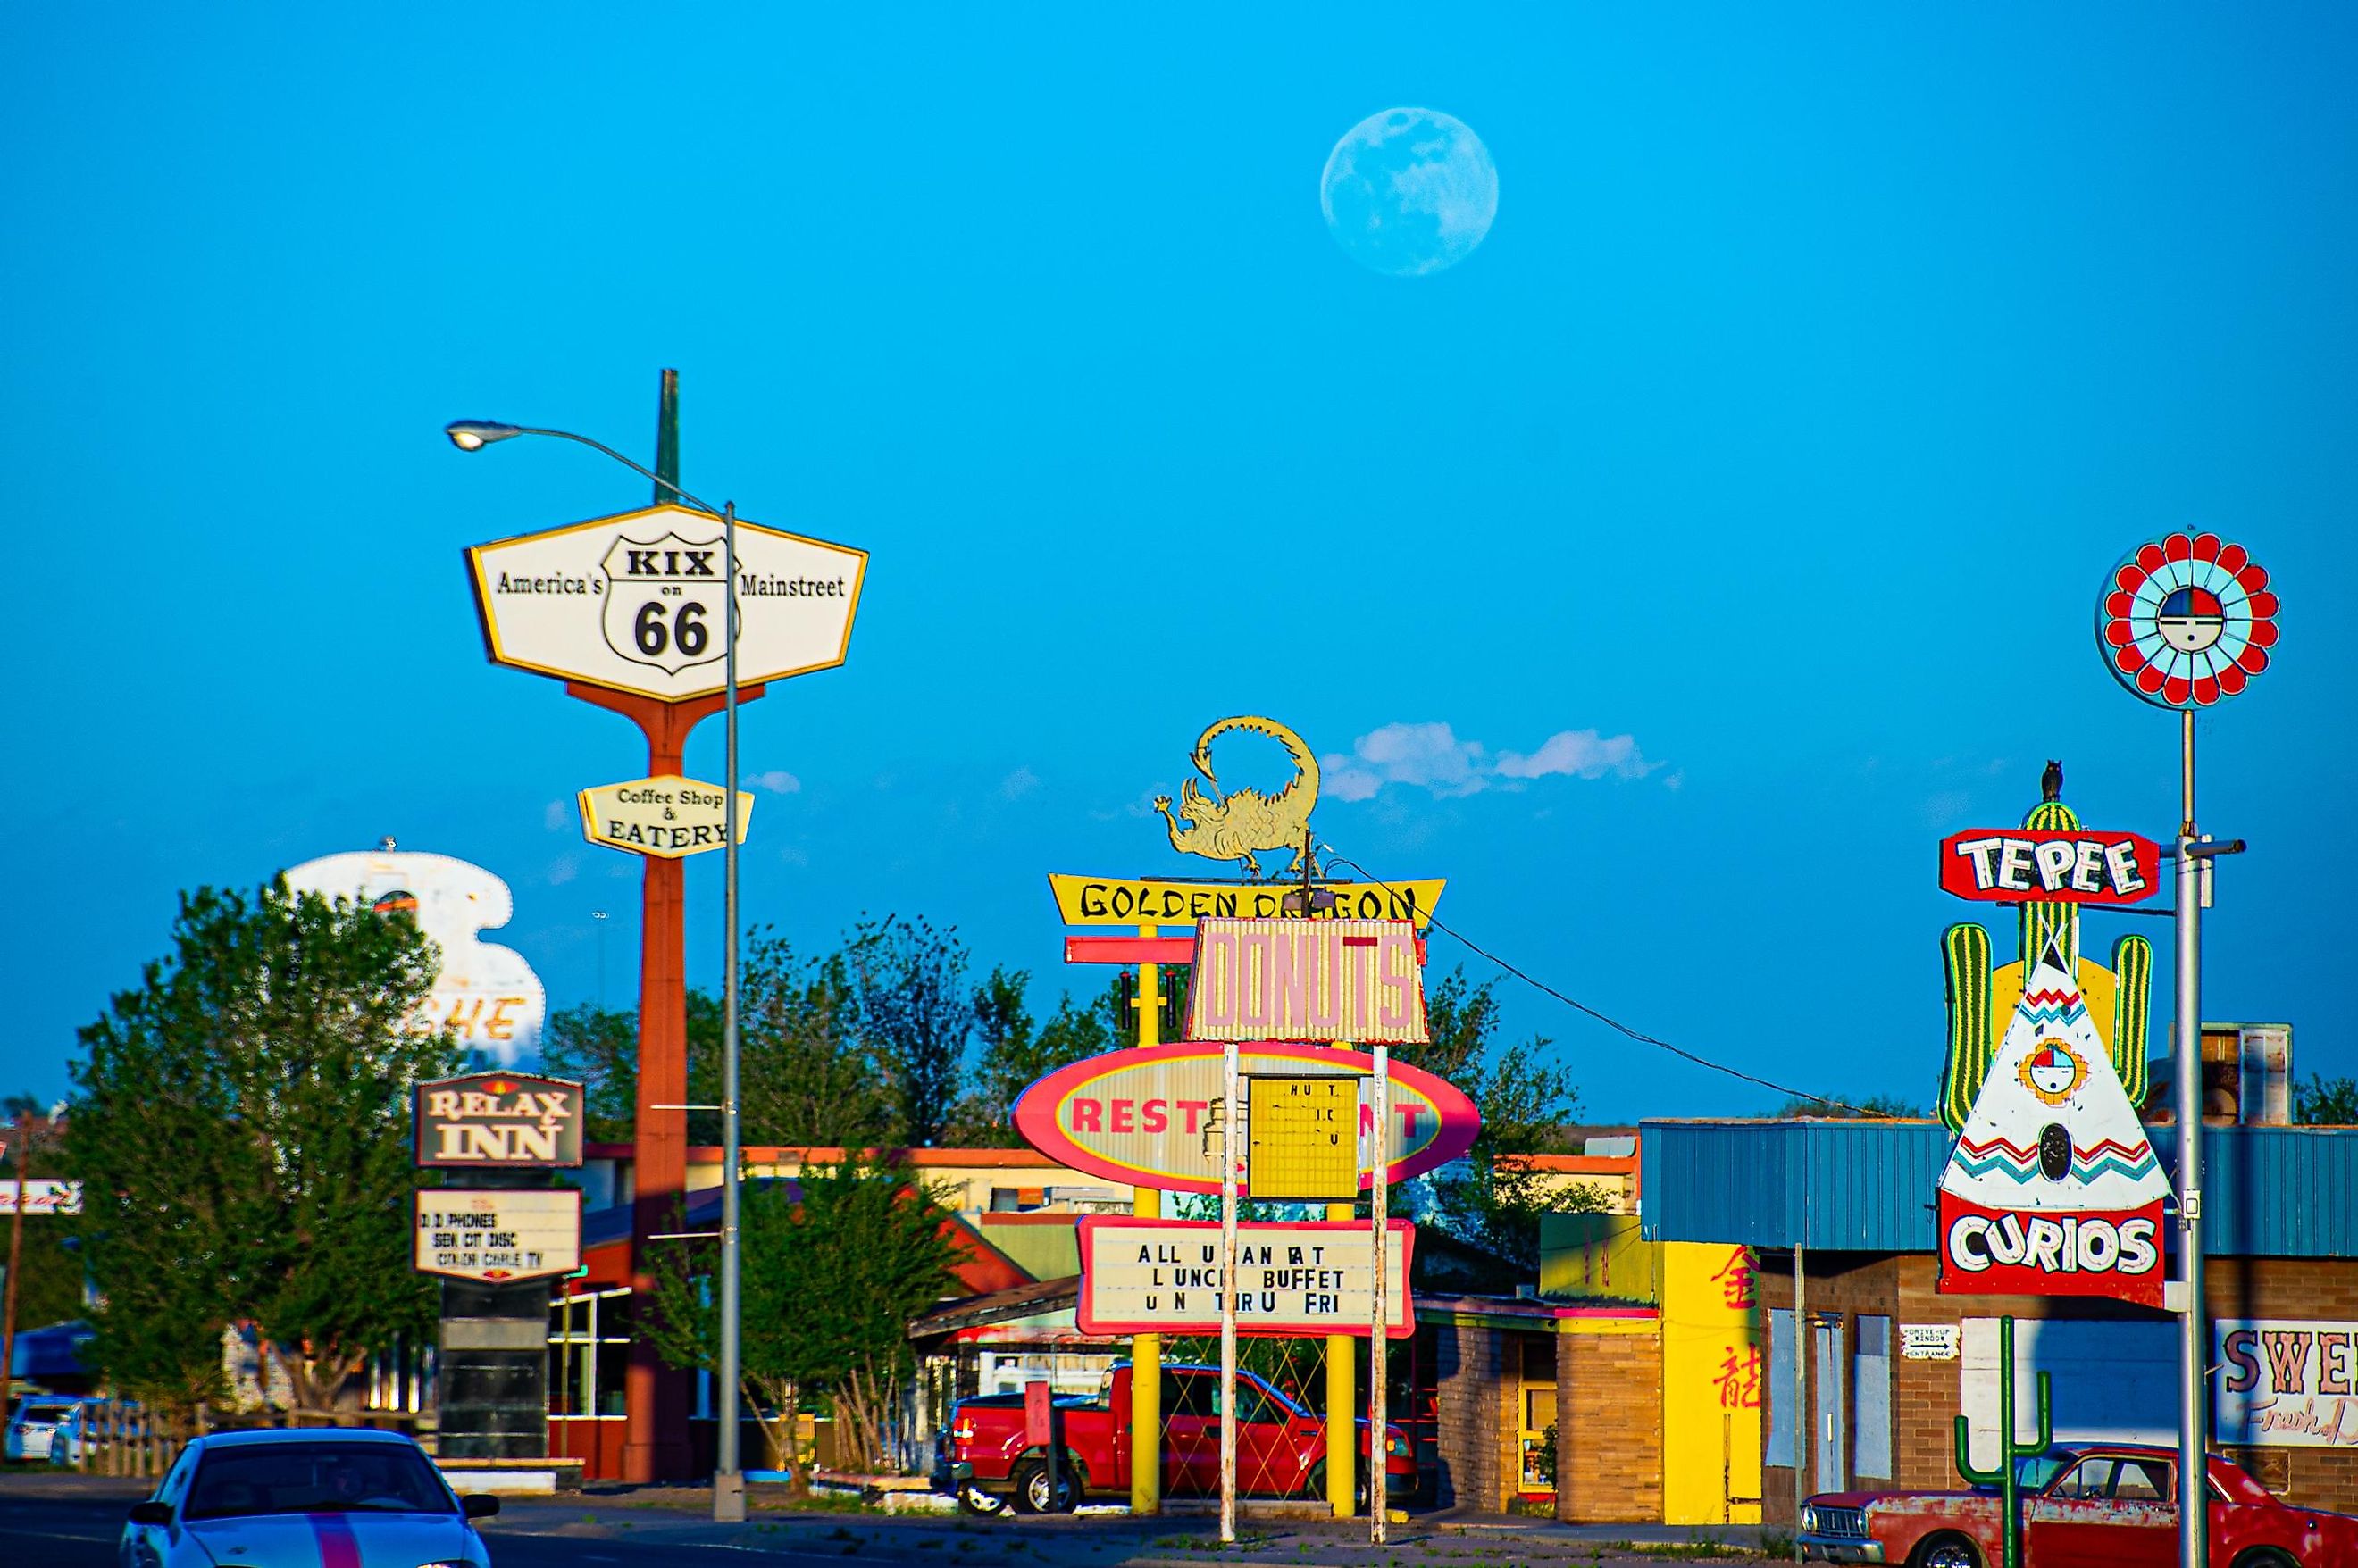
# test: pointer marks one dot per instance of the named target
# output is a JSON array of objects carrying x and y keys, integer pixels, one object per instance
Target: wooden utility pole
[{"x": 22, "y": 1158}]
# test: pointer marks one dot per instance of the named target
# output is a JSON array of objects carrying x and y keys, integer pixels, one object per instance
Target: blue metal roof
[{"x": 2281, "y": 1192}]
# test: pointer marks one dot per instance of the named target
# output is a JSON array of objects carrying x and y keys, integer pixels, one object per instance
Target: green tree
[
  {"x": 241, "y": 1126},
  {"x": 49, "y": 1285},
  {"x": 1014, "y": 1053},
  {"x": 916, "y": 1015},
  {"x": 833, "y": 1268},
  {"x": 597, "y": 1047},
  {"x": 2326, "y": 1102},
  {"x": 1527, "y": 1104},
  {"x": 807, "y": 1074}
]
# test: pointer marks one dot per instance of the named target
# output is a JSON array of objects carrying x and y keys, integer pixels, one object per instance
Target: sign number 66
[{"x": 686, "y": 630}]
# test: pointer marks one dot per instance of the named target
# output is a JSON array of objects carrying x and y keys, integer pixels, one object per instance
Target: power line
[{"x": 1606, "y": 1019}]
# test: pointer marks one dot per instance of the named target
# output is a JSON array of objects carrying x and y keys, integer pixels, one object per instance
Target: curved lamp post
[{"x": 728, "y": 1480}]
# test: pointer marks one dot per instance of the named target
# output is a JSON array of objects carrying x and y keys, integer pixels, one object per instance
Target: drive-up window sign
[{"x": 635, "y": 602}]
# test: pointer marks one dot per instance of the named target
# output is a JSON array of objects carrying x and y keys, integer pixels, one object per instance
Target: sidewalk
[{"x": 682, "y": 1516}]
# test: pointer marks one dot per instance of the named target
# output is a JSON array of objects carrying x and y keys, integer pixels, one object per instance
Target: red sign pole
[{"x": 656, "y": 1395}]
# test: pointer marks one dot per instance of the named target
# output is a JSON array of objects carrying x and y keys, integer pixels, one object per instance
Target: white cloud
[
  {"x": 777, "y": 781},
  {"x": 1433, "y": 757},
  {"x": 561, "y": 815},
  {"x": 1581, "y": 752},
  {"x": 1019, "y": 783}
]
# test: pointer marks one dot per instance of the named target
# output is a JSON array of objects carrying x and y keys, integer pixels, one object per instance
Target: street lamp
[{"x": 729, "y": 1479}]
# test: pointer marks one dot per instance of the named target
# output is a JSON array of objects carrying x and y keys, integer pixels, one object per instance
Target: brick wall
[
  {"x": 1925, "y": 1394},
  {"x": 1477, "y": 1373},
  {"x": 1608, "y": 1391}
]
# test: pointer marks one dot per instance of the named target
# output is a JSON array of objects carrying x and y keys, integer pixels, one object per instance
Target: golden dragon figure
[{"x": 1232, "y": 827}]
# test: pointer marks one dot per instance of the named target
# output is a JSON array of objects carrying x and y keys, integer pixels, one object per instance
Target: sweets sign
[{"x": 2285, "y": 1383}]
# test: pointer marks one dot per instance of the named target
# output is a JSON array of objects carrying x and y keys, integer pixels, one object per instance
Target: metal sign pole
[
  {"x": 729, "y": 1476},
  {"x": 1230, "y": 1145},
  {"x": 2194, "y": 1391},
  {"x": 1379, "y": 1333}
]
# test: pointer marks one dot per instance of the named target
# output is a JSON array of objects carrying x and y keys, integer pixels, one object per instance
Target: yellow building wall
[
  {"x": 1596, "y": 1257},
  {"x": 1714, "y": 1366}
]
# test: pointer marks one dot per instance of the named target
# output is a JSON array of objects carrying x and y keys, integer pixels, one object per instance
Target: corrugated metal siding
[{"x": 1868, "y": 1186}]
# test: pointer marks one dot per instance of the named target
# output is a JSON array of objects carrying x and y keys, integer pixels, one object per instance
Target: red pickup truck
[{"x": 990, "y": 1461}]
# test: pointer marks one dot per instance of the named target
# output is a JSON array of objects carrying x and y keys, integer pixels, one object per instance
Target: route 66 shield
[{"x": 666, "y": 601}]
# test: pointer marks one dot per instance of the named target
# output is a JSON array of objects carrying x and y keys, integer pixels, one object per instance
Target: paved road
[{"x": 66, "y": 1521}]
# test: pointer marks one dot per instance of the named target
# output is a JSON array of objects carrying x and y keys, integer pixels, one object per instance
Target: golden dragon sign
[{"x": 1235, "y": 825}]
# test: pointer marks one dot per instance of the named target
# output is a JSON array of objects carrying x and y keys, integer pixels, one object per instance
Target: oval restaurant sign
[{"x": 1145, "y": 1116}]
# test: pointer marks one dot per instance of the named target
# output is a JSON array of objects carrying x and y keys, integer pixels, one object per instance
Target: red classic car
[{"x": 2086, "y": 1506}]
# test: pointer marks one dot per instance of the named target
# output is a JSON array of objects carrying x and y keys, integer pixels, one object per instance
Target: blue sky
[{"x": 1818, "y": 365}]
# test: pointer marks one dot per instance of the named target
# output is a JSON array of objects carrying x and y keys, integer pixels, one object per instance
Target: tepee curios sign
[
  {"x": 2052, "y": 1188},
  {"x": 636, "y": 603}
]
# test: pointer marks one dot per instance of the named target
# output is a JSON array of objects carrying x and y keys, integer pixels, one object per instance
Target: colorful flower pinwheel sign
[{"x": 2187, "y": 621}]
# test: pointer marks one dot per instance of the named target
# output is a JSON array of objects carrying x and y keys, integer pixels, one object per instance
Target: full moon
[{"x": 1408, "y": 191}]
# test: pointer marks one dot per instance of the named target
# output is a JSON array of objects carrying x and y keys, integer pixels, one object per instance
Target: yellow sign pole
[
  {"x": 1342, "y": 1409},
  {"x": 1146, "y": 1350}
]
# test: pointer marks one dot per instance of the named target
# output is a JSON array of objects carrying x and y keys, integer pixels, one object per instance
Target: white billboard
[
  {"x": 637, "y": 603},
  {"x": 486, "y": 994},
  {"x": 495, "y": 1236}
]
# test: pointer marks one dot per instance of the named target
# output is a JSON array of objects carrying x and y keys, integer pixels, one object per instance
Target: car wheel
[
  {"x": 973, "y": 1499},
  {"x": 1030, "y": 1480},
  {"x": 1314, "y": 1486},
  {"x": 1947, "y": 1551},
  {"x": 2264, "y": 1558}
]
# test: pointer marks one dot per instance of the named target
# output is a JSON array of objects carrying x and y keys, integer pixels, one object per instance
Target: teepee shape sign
[{"x": 2052, "y": 1188}]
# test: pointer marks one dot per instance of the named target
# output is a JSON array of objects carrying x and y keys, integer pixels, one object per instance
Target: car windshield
[
  {"x": 2034, "y": 1471},
  {"x": 45, "y": 1410},
  {"x": 316, "y": 1477}
]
